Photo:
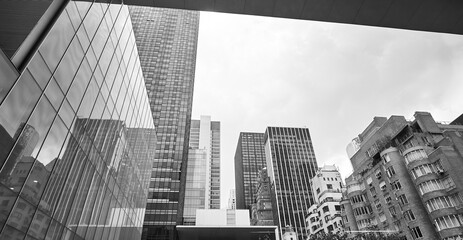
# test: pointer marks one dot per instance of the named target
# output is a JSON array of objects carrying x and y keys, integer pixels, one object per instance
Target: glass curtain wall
[{"x": 71, "y": 127}]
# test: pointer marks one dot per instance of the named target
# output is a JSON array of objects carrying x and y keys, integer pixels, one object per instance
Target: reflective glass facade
[
  {"x": 249, "y": 160},
  {"x": 76, "y": 132},
  {"x": 291, "y": 164},
  {"x": 166, "y": 40},
  {"x": 195, "y": 191}
]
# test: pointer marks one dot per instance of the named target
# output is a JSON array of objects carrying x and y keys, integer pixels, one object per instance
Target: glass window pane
[
  {"x": 39, "y": 70},
  {"x": 54, "y": 94},
  {"x": 79, "y": 85},
  {"x": 39, "y": 225},
  {"x": 21, "y": 216},
  {"x": 69, "y": 65},
  {"x": 56, "y": 42}
]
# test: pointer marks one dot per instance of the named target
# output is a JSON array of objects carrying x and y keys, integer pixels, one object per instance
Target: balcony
[{"x": 414, "y": 154}]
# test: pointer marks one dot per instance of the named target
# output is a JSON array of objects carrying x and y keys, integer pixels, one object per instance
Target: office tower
[
  {"x": 249, "y": 159},
  {"x": 291, "y": 164},
  {"x": 232, "y": 200},
  {"x": 324, "y": 215},
  {"x": 166, "y": 41},
  {"x": 195, "y": 189},
  {"x": 68, "y": 166},
  {"x": 262, "y": 209},
  {"x": 407, "y": 178},
  {"x": 202, "y": 190}
]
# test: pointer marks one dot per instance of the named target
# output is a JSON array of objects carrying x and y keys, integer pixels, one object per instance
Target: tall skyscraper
[
  {"x": 205, "y": 134},
  {"x": 167, "y": 41},
  {"x": 249, "y": 160},
  {"x": 69, "y": 168},
  {"x": 291, "y": 164},
  {"x": 202, "y": 189}
]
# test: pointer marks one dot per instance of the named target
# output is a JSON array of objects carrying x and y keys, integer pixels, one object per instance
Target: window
[
  {"x": 441, "y": 202},
  {"x": 373, "y": 191},
  {"x": 392, "y": 211},
  {"x": 416, "y": 232},
  {"x": 382, "y": 185},
  {"x": 325, "y": 209},
  {"x": 318, "y": 190},
  {"x": 449, "y": 221},
  {"x": 329, "y": 186},
  {"x": 409, "y": 215},
  {"x": 390, "y": 171},
  {"x": 403, "y": 199},
  {"x": 337, "y": 207},
  {"x": 397, "y": 185},
  {"x": 378, "y": 173},
  {"x": 386, "y": 158}
]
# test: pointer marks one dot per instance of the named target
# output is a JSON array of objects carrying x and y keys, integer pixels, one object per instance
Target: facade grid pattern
[
  {"x": 167, "y": 42},
  {"x": 291, "y": 164},
  {"x": 249, "y": 160},
  {"x": 74, "y": 126}
]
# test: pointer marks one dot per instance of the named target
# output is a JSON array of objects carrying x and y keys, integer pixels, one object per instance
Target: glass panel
[
  {"x": 55, "y": 231},
  {"x": 38, "y": 178},
  {"x": 39, "y": 225},
  {"x": 20, "y": 161},
  {"x": 54, "y": 94},
  {"x": 8, "y": 74},
  {"x": 56, "y": 42},
  {"x": 11, "y": 233},
  {"x": 8, "y": 198},
  {"x": 68, "y": 66},
  {"x": 39, "y": 70},
  {"x": 79, "y": 85},
  {"x": 21, "y": 216}
]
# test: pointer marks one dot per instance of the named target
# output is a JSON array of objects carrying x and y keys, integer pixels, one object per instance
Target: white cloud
[{"x": 253, "y": 72}]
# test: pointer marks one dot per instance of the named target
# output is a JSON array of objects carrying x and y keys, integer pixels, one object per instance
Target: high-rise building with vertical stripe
[
  {"x": 202, "y": 189},
  {"x": 291, "y": 164},
  {"x": 249, "y": 159},
  {"x": 166, "y": 41}
]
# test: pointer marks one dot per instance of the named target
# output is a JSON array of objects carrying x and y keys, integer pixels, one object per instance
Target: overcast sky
[{"x": 253, "y": 72}]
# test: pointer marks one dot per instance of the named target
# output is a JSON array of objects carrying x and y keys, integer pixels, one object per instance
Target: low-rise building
[{"x": 325, "y": 214}]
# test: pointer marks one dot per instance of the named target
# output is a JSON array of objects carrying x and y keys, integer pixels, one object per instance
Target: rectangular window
[{"x": 416, "y": 233}]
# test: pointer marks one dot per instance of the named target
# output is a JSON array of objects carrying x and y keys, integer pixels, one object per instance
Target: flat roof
[{"x": 227, "y": 232}]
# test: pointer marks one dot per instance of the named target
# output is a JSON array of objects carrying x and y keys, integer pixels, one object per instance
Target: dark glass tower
[
  {"x": 166, "y": 41},
  {"x": 291, "y": 164},
  {"x": 249, "y": 160},
  {"x": 76, "y": 126}
]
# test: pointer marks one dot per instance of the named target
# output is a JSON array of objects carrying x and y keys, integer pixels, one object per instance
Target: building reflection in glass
[{"x": 76, "y": 132}]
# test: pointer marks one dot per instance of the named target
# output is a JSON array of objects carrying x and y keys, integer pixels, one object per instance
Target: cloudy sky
[{"x": 253, "y": 72}]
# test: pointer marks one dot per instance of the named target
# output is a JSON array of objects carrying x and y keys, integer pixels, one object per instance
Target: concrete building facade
[
  {"x": 406, "y": 179},
  {"x": 291, "y": 164},
  {"x": 262, "y": 208},
  {"x": 325, "y": 214}
]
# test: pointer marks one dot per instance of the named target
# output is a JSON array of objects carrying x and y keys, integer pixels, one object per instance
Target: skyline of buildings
[
  {"x": 77, "y": 153},
  {"x": 167, "y": 43}
]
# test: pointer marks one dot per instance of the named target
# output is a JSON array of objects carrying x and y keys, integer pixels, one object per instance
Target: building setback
[
  {"x": 407, "y": 178},
  {"x": 291, "y": 164},
  {"x": 203, "y": 171},
  {"x": 249, "y": 159},
  {"x": 76, "y": 128},
  {"x": 167, "y": 41},
  {"x": 325, "y": 214}
]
